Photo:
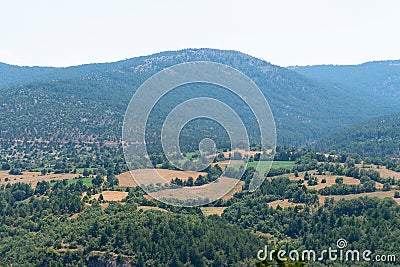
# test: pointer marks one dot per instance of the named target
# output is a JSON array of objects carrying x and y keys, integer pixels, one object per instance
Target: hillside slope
[
  {"x": 377, "y": 82},
  {"x": 378, "y": 137},
  {"x": 88, "y": 102},
  {"x": 11, "y": 74}
]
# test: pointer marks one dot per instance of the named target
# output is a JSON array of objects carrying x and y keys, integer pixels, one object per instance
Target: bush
[
  {"x": 339, "y": 180},
  {"x": 15, "y": 172},
  {"x": 5, "y": 166}
]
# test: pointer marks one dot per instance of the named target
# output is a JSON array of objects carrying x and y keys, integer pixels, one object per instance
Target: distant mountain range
[{"x": 87, "y": 103}]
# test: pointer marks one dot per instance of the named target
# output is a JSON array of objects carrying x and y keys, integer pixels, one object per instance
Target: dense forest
[
  {"x": 37, "y": 229},
  {"x": 60, "y": 223},
  {"x": 365, "y": 222},
  {"x": 378, "y": 137},
  {"x": 52, "y": 225}
]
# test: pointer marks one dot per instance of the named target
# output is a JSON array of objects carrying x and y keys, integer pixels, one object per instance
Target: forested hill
[
  {"x": 88, "y": 102},
  {"x": 11, "y": 74},
  {"x": 378, "y": 137},
  {"x": 378, "y": 82}
]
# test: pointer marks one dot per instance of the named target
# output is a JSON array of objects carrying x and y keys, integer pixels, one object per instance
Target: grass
[
  {"x": 207, "y": 211},
  {"x": 145, "y": 208},
  {"x": 181, "y": 162},
  {"x": 263, "y": 165},
  {"x": 190, "y": 155},
  {"x": 282, "y": 164},
  {"x": 80, "y": 170},
  {"x": 120, "y": 188},
  {"x": 85, "y": 181}
]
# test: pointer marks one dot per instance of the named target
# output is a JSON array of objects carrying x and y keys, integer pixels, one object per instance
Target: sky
[{"x": 283, "y": 32}]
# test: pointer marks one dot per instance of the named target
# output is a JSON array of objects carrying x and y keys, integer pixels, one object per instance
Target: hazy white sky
[{"x": 297, "y": 32}]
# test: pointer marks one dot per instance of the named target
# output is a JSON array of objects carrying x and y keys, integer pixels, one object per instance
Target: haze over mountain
[
  {"x": 378, "y": 81},
  {"x": 88, "y": 102}
]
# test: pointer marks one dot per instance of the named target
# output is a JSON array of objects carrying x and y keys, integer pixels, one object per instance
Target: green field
[
  {"x": 159, "y": 166},
  {"x": 80, "y": 170},
  {"x": 275, "y": 165},
  {"x": 85, "y": 181},
  {"x": 190, "y": 155},
  {"x": 263, "y": 165},
  {"x": 282, "y": 164}
]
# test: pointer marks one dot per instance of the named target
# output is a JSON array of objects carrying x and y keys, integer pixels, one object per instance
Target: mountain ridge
[{"x": 304, "y": 110}]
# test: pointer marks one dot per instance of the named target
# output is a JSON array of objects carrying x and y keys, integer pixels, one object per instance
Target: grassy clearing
[
  {"x": 378, "y": 194},
  {"x": 283, "y": 204},
  {"x": 85, "y": 181},
  {"x": 383, "y": 171},
  {"x": 212, "y": 210},
  {"x": 190, "y": 155},
  {"x": 263, "y": 165},
  {"x": 145, "y": 208},
  {"x": 283, "y": 164},
  {"x": 80, "y": 170},
  {"x": 330, "y": 180},
  {"x": 120, "y": 188},
  {"x": 181, "y": 162}
]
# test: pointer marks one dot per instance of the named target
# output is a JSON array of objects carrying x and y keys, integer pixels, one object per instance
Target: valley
[
  {"x": 67, "y": 191},
  {"x": 199, "y": 133}
]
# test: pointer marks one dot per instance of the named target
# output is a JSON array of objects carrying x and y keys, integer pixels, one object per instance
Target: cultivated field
[
  {"x": 34, "y": 177},
  {"x": 379, "y": 194},
  {"x": 225, "y": 163},
  {"x": 213, "y": 190},
  {"x": 237, "y": 188},
  {"x": 111, "y": 195},
  {"x": 145, "y": 208},
  {"x": 330, "y": 180},
  {"x": 212, "y": 210},
  {"x": 147, "y": 175},
  {"x": 263, "y": 166},
  {"x": 385, "y": 173},
  {"x": 283, "y": 204}
]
